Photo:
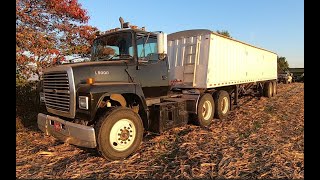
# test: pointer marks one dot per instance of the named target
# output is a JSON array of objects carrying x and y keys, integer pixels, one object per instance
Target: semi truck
[{"x": 139, "y": 81}]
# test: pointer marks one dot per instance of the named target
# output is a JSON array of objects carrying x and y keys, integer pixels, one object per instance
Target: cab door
[{"x": 152, "y": 73}]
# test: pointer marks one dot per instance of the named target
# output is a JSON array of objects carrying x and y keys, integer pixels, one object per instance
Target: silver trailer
[{"x": 204, "y": 59}]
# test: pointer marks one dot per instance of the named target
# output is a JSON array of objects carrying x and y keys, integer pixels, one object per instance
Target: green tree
[
  {"x": 283, "y": 64},
  {"x": 225, "y": 33}
]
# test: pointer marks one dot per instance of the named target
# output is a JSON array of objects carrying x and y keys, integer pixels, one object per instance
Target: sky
[{"x": 275, "y": 25}]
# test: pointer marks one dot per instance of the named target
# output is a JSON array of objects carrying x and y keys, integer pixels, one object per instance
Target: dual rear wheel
[
  {"x": 270, "y": 89},
  {"x": 210, "y": 107}
]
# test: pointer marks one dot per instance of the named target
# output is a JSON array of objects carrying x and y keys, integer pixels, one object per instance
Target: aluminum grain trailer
[{"x": 204, "y": 62}]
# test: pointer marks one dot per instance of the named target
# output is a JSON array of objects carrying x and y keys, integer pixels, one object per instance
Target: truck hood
[{"x": 102, "y": 71}]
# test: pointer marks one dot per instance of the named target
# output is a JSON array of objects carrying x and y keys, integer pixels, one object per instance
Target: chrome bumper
[{"x": 68, "y": 132}]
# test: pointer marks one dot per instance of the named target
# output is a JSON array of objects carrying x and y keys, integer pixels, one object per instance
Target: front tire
[
  {"x": 119, "y": 133},
  {"x": 205, "y": 110}
]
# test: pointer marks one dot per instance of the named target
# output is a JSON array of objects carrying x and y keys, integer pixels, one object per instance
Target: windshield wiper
[
  {"x": 108, "y": 57},
  {"x": 105, "y": 58},
  {"x": 119, "y": 55}
]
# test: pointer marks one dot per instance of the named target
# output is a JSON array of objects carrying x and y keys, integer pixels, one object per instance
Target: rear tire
[
  {"x": 205, "y": 111},
  {"x": 267, "y": 89},
  {"x": 119, "y": 133},
  {"x": 222, "y": 104}
]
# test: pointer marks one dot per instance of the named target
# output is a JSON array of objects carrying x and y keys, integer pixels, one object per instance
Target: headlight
[
  {"x": 41, "y": 97},
  {"x": 83, "y": 102}
]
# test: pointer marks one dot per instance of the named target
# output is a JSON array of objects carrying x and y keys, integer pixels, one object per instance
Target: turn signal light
[{"x": 90, "y": 81}]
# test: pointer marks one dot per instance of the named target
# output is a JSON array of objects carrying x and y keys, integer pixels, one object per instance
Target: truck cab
[
  {"x": 107, "y": 97},
  {"x": 137, "y": 51}
]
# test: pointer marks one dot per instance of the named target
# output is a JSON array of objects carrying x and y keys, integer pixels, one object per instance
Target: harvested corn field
[{"x": 263, "y": 138}]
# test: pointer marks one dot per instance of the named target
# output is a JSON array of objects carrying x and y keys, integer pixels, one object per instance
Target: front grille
[{"x": 57, "y": 90}]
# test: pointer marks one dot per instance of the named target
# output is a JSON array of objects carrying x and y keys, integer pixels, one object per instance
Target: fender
[{"x": 98, "y": 91}]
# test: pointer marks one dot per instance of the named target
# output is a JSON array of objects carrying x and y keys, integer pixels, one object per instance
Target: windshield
[{"x": 113, "y": 47}]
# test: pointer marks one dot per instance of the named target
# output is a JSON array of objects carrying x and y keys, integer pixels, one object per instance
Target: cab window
[{"x": 147, "y": 47}]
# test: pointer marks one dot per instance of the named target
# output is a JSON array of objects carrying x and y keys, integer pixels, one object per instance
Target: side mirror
[{"x": 162, "y": 45}]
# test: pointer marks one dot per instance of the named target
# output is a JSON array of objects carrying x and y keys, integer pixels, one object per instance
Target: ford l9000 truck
[{"x": 140, "y": 81}]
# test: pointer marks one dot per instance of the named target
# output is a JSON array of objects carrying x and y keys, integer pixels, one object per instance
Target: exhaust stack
[{"x": 121, "y": 22}]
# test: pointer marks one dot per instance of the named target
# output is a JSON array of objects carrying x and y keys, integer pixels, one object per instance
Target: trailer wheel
[
  {"x": 267, "y": 89},
  {"x": 222, "y": 104},
  {"x": 205, "y": 110},
  {"x": 119, "y": 133},
  {"x": 274, "y": 86}
]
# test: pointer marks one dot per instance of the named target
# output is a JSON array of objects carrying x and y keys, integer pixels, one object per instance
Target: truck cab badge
[{"x": 101, "y": 72}]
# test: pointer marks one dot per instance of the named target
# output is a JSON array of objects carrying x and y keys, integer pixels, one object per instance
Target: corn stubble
[{"x": 260, "y": 139}]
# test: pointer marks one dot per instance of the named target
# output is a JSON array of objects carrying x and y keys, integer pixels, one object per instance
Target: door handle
[{"x": 164, "y": 77}]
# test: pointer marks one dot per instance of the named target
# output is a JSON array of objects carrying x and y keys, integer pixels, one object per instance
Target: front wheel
[
  {"x": 205, "y": 110},
  {"x": 119, "y": 133}
]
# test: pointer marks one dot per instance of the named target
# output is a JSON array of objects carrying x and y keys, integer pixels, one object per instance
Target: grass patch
[
  {"x": 256, "y": 126},
  {"x": 245, "y": 134},
  {"x": 269, "y": 109}
]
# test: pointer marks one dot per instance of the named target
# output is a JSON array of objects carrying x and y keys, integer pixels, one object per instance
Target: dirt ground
[{"x": 263, "y": 138}]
